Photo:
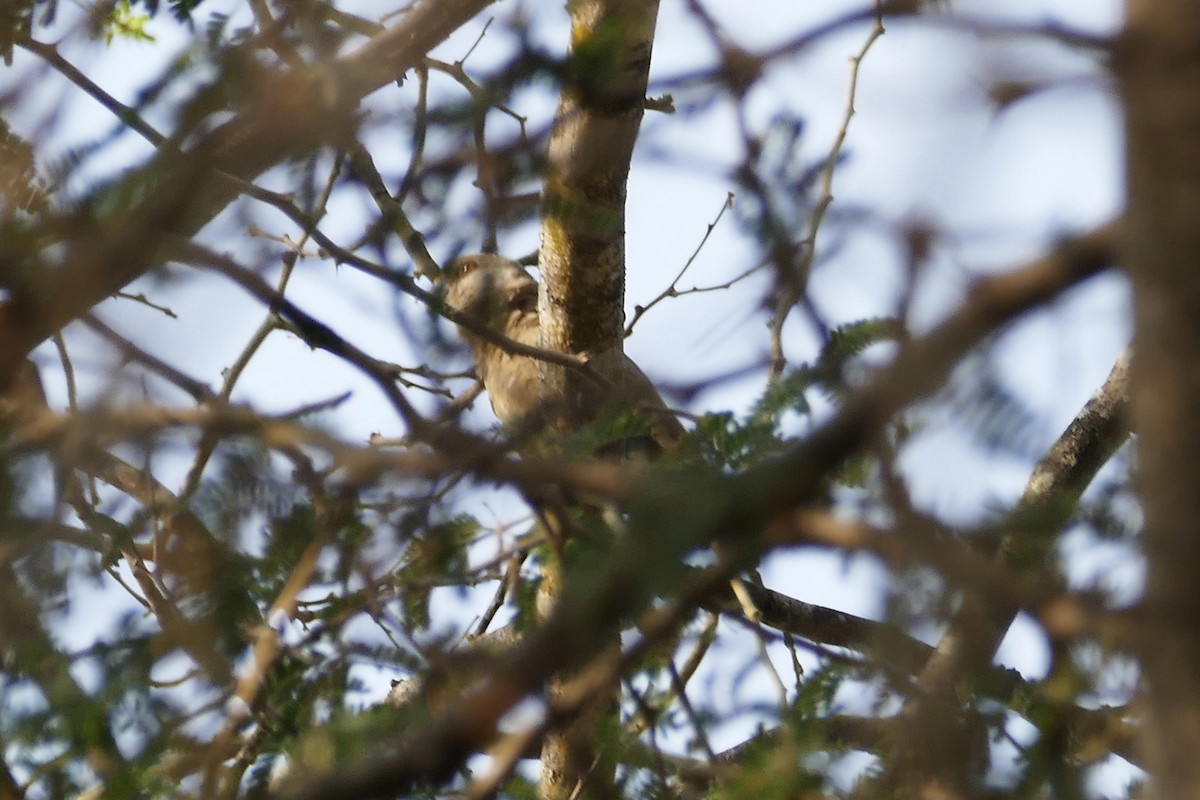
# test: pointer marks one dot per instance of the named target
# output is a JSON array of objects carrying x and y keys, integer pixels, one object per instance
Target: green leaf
[{"x": 125, "y": 24}]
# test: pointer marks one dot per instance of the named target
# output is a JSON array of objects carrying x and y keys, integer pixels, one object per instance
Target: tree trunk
[
  {"x": 582, "y": 256},
  {"x": 582, "y": 262},
  {"x": 1158, "y": 60}
]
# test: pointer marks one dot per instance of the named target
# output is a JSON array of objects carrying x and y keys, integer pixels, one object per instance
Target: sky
[{"x": 924, "y": 146}]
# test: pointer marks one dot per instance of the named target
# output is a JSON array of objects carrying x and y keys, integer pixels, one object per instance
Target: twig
[
  {"x": 141, "y": 298},
  {"x": 315, "y": 333},
  {"x": 793, "y": 291},
  {"x": 672, "y": 290},
  {"x": 893, "y": 9},
  {"x": 512, "y": 576},
  {"x": 126, "y": 115},
  {"x": 420, "y": 126},
  {"x": 679, "y": 687},
  {"x": 393, "y": 214},
  {"x": 200, "y": 391}
]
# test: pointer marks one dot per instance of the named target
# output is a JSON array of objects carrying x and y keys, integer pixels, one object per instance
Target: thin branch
[
  {"x": 1058, "y": 480},
  {"x": 420, "y": 127},
  {"x": 405, "y": 283},
  {"x": 126, "y": 115},
  {"x": 900, "y": 9},
  {"x": 795, "y": 286},
  {"x": 393, "y": 213},
  {"x": 199, "y": 390},
  {"x": 672, "y": 289},
  {"x": 293, "y": 115},
  {"x": 205, "y": 448},
  {"x": 314, "y": 332}
]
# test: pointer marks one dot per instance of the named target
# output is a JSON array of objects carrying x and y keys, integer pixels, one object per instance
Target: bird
[{"x": 500, "y": 295}]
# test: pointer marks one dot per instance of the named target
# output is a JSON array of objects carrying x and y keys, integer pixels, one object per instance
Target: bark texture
[
  {"x": 1159, "y": 69},
  {"x": 582, "y": 262},
  {"x": 582, "y": 255}
]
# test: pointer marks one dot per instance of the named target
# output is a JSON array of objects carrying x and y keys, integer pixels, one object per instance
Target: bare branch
[
  {"x": 976, "y": 630},
  {"x": 180, "y": 192}
]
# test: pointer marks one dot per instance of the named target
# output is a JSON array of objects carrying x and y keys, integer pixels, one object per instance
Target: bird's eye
[{"x": 466, "y": 267}]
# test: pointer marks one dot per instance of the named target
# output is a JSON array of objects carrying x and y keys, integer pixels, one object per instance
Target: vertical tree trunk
[
  {"x": 582, "y": 255},
  {"x": 1158, "y": 60},
  {"x": 582, "y": 262}
]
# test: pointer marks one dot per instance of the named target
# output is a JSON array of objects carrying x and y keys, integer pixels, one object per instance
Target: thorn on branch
[{"x": 141, "y": 298}]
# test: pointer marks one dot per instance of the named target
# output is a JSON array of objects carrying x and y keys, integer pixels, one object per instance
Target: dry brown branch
[
  {"x": 829, "y": 627},
  {"x": 919, "y": 368},
  {"x": 183, "y": 549},
  {"x": 672, "y": 289},
  {"x": 668, "y": 519},
  {"x": 967, "y": 647},
  {"x": 793, "y": 287},
  {"x": 353, "y": 465},
  {"x": 298, "y": 105}
]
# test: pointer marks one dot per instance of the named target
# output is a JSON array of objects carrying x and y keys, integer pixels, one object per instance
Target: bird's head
[{"x": 488, "y": 287}]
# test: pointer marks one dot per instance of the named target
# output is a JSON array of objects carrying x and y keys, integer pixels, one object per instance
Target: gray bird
[{"x": 501, "y": 295}]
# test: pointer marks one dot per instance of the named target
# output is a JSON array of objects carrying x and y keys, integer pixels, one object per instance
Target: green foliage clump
[
  {"x": 124, "y": 23},
  {"x": 736, "y": 444}
]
